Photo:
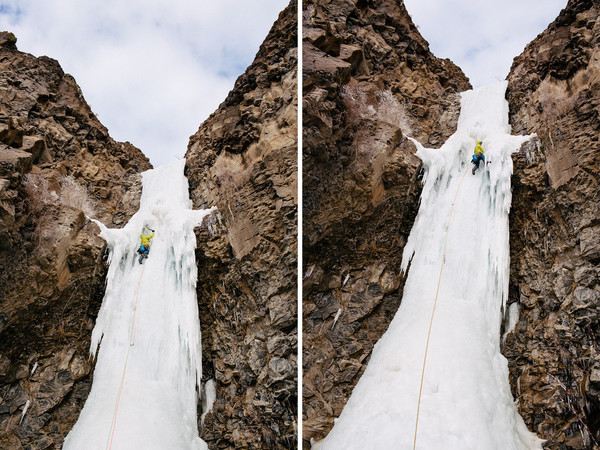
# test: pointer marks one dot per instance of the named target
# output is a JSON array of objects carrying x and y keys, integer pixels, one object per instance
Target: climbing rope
[
  {"x": 433, "y": 310},
  {"x": 109, "y": 441}
]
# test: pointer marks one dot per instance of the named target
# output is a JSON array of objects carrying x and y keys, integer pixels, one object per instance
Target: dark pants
[
  {"x": 144, "y": 250},
  {"x": 477, "y": 158}
]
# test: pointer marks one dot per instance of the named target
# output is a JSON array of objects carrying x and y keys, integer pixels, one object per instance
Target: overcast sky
[
  {"x": 482, "y": 36},
  {"x": 151, "y": 70}
]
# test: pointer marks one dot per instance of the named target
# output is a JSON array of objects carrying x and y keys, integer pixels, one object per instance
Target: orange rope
[
  {"x": 113, "y": 426},
  {"x": 433, "y": 310}
]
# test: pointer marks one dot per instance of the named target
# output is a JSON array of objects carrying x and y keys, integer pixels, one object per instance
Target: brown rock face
[
  {"x": 554, "y": 352},
  {"x": 369, "y": 80},
  {"x": 244, "y": 160},
  {"x": 57, "y": 165}
]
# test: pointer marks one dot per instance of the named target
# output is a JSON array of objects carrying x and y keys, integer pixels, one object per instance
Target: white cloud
[
  {"x": 152, "y": 70},
  {"x": 482, "y": 37}
]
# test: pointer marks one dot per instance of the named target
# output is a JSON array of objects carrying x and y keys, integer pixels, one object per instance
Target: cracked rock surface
[
  {"x": 361, "y": 187},
  {"x": 243, "y": 159},
  {"x": 58, "y": 165},
  {"x": 554, "y": 351}
]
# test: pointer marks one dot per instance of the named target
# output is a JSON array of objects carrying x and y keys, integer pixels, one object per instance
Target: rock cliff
[
  {"x": 369, "y": 80},
  {"x": 58, "y": 165},
  {"x": 554, "y": 351},
  {"x": 244, "y": 160}
]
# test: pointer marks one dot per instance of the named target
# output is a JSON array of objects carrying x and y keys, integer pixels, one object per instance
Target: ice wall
[
  {"x": 149, "y": 364},
  {"x": 466, "y": 401}
]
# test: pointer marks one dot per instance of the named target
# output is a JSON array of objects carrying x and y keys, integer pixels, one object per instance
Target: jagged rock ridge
[
  {"x": 554, "y": 351},
  {"x": 57, "y": 164},
  {"x": 244, "y": 160},
  {"x": 361, "y": 61}
]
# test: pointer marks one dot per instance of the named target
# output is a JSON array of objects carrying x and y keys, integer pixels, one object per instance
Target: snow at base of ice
[
  {"x": 158, "y": 404},
  {"x": 466, "y": 401}
]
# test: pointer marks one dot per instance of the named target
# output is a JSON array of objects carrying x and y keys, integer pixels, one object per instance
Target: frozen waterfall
[
  {"x": 149, "y": 365},
  {"x": 462, "y": 223}
]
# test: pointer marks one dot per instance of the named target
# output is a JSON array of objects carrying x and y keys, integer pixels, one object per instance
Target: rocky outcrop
[
  {"x": 554, "y": 351},
  {"x": 244, "y": 160},
  {"x": 369, "y": 80},
  {"x": 58, "y": 165}
]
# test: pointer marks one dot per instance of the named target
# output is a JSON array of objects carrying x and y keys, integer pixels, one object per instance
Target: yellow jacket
[
  {"x": 478, "y": 148},
  {"x": 146, "y": 239}
]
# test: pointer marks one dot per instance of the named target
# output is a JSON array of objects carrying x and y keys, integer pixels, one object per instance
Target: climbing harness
[
  {"x": 433, "y": 310},
  {"x": 109, "y": 441}
]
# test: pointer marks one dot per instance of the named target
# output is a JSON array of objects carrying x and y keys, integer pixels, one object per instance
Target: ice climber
[
  {"x": 145, "y": 245},
  {"x": 478, "y": 156}
]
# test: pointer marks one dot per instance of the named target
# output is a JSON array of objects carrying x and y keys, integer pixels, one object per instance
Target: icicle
[
  {"x": 346, "y": 279},
  {"x": 208, "y": 398},
  {"x": 335, "y": 319},
  {"x": 24, "y": 412},
  {"x": 511, "y": 320},
  {"x": 33, "y": 369},
  {"x": 309, "y": 272}
]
